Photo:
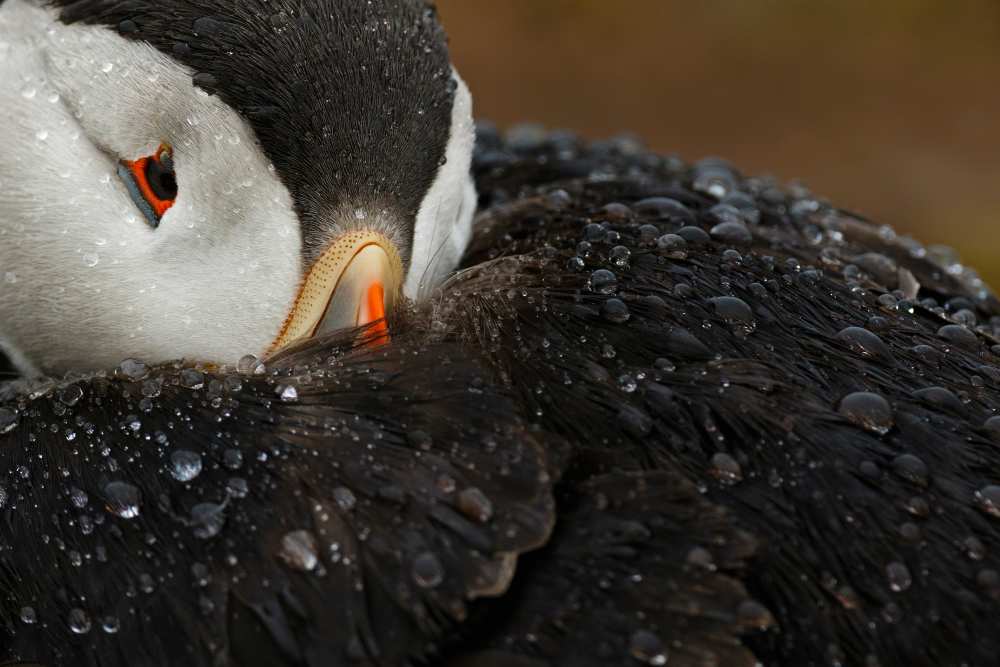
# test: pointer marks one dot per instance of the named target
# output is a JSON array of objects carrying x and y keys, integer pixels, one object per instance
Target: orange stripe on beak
[{"x": 375, "y": 312}]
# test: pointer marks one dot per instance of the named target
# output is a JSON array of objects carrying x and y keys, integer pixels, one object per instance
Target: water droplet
[
  {"x": 992, "y": 426},
  {"x": 673, "y": 245},
  {"x": 735, "y": 311},
  {"x": 428, "y": 571},
  {"x": 122, "y": 499},
  {"x": 474, "y": 504},
  {"x": 627, "y": 383},
  {"x": 918, "y": 506},
  {"x": 595, "y": 233},
  {"x": 616, "y": 211},
  {"x": 664, "y": 364},
  {"x": 988, "y": 499},
  {"x": 133, "y": 369},
  {"x": 869, "y": 411},
  {"x": 701, "y": 557},
  {"x": 965, "y": 317},
  {"x": 694, "y": 235},
  {"x": 79, "y": 498},
  {"x": 713, "y": 177},
  {"x": 620, "y": 256},
  {"x": 300, "y": 551},
  {"x": 110, "y": 625},
  {"x": 892, "y": 613},
  {"x": 635, "y": 422},
  {"x": 941, "y": 399},
  {"x": 232, "y": 459},
  {"x": 345, "y": 498},
  {"x": 648, "y": 234},
  {"x": 911, "y": 468},
  {"x": 78, "y": 621},
  {"x": 207, "y": 520},
  {"x": 288, "y": 393},
  {"x": 753, "y": 614},
  {"x": 899, "y": 576},
  {"x": 185, "y": 465},
  {"x": 71, "y": 395},
  {"x": 133, "y": 423},
  {"x": 664, "y": 208},
  {"x": 29, "y": 616},
  {"x": 726, "y": 469},
  {"x": 974, "y": 548},
  {"x": 882, "y": 269},
  {"x": 192, "y": 379},
  {"x": 603, "y": 281},
  {"x": 731, "y": 233},
  {"x": 647, "y": 647},
  {"x": 959, "y": 336},
  {"x": 250, "y": 365},
  {"x": 146, "y": 583},
  {"x": 151, "y": 388},
  {"x": 237, "y": 487},
  {"x": 615, "y": 310},
  {"x": 865, "y": 343},
  {"x": 420, "y": 439}
]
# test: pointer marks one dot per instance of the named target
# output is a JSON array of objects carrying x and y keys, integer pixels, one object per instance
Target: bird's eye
[{"x": 151, "y": 182}]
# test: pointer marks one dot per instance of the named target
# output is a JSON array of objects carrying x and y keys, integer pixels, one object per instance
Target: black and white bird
[
  {"x": 269, "y": 167},
  {"x": 662, "y": 414}
]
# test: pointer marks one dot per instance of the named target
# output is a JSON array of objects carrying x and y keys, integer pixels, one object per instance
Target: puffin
[
  {"x": 302, "y": 164},
  {"x": 304, "y": 368}
]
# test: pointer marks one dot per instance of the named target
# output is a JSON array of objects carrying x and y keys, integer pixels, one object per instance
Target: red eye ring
[{"x": 151, "y": 182}]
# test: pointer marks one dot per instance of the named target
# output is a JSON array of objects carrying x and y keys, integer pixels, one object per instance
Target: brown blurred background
[{"x": 888, "y": 107}]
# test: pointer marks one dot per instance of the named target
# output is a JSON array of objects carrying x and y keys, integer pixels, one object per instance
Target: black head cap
[{"x": 351, "y": 100}]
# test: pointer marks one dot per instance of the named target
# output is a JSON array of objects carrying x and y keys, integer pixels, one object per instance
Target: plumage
[
  {"x": 201, "y": 517},
  {"x": 694, "y": 481},
  {"x": 734, "y": 366}
]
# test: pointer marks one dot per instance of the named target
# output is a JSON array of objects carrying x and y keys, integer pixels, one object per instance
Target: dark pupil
[{"x": 161, "y": 180}]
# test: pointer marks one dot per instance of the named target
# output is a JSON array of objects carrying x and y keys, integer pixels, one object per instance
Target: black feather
[
  {"x": 784, "y": 423},
  {"x": 351, "y": 525},
  {"x": 745, "y": 396}
]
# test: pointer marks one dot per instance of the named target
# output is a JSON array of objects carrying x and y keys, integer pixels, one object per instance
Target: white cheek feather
[
  {"x": 444, "y": 222},
  {"x": 84, "y": 280}
]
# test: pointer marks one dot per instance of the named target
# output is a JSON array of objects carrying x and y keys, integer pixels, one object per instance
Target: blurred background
[{"x": 890, "y": 108}]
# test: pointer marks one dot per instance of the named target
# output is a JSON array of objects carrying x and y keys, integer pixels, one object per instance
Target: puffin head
[{"x": 206, "y": 179}]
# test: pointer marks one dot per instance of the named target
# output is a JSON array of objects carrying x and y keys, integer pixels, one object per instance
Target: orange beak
[{"x": 355, "y": 282}]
